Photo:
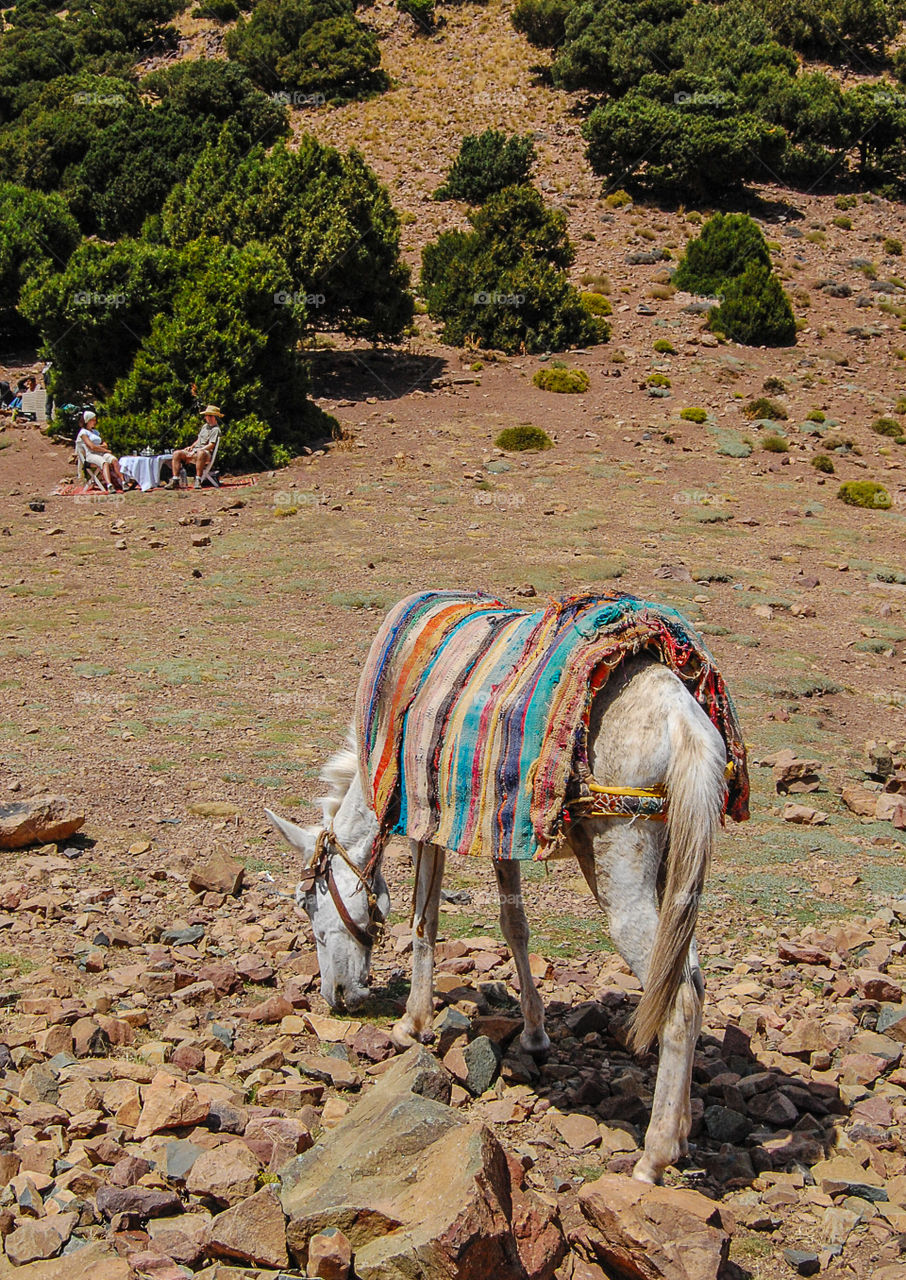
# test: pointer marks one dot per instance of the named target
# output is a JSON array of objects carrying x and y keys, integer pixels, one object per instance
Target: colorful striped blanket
[{"x": 472, "y": 718}]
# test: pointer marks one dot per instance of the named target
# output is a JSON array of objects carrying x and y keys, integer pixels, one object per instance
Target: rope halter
[{"x": 328, "y": 847}]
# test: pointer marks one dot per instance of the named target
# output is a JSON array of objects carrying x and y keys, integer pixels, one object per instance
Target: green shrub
[
  {"x": 864, "y": 493},
  {"x": 488, "y": 162},
  {"x": 326, "y": 213},
  {"x": 664, "y": 347},
  {"x": 694, "y": 414},
  {"x": 113, "y": 156},
  {"x": 503, "y": 284},
  {"x": 765, "y": 408},
  {"x": 96, "y": 313},
  {"x": 774, "y": 443},
  {"x": 774, "y": 386},
  {"x": 727, "y": 245},
  {"x": 218, "y": 10},
  {"x": 662, "y": 147},
  {"x": 618, "y": 199},
  {"x": 564, "y": 381},
  {"x": 542, "y": 22},
  {"x": 421, "y": 10},
  {"x": 886, "y": 427},
  {"x": 658, "y": 380},
  {"x": 844, "y": 223},
  {"x": 37, "y": 236},
  {"x": 815, "y": 415},
  {"x": 596, "y": 304},
  {"x": 821, "y": 462},
  {"x": 755, "y": 310},
  {"x": 308, "y": 47},
  {"x": 523, "y": 439},
  {"x": 893, "y": 247},
  {"x": 845, "y": 202},
  {"x": 223, "y": 332}
]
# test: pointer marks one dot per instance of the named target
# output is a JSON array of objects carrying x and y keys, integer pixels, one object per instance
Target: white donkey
[{"x": 645, "y": 731}]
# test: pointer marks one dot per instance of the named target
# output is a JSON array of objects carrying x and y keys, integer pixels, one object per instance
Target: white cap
[{"x": 88, "y": 415}]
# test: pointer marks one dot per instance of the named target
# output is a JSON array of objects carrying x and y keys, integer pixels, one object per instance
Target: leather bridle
[{"x": 328, "y": 847}]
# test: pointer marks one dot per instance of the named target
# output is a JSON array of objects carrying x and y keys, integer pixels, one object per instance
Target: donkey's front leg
[
  {"x": 671, "y": 1116},
  {"x": 516, "y": 931},
  {"x": 415, "y": 1025}
]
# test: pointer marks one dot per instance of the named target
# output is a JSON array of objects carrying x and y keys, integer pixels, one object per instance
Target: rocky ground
[{"x": 169, "y": 1057}]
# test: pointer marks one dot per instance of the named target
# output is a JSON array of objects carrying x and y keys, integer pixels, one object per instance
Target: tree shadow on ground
[{"x": 386, "y": 375}]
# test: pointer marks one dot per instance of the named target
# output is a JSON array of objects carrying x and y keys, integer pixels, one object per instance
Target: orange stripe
[{"x": 425, "y": 640}]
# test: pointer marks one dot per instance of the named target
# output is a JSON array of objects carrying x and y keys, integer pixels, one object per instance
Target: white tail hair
[
  {"x": 339, "y": 772},
  {"x": 696, "y": 787}
]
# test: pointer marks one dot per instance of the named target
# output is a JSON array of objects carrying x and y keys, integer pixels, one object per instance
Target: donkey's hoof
[
  {"x": 645, "y": 1171},
  {"x": 535, "y": 1043},
  {"x": 403, "y": 1036}
]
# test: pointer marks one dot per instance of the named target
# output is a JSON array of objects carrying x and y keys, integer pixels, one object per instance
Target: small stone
[
  {"x": 38, "y": 820},
  {"x": 875, "y": 985},
  {"x": 273, "y": 1009},
  {"x": 222, "y": 874},
  {"x": 774, "y": 1108},
  {"x": 803, "y": 815},
  {"x": 373, "y": 1043},
  {"x": 725, "y": 1125},
  {"x": 331, "y": 1030},
  {"x": 578, "y": 1131},
  {"x": 179, "y": 1157},
  {"x": 892, "y": 1021},
  {"x": 226, "y": 1174},
  {"x": 38, "y": 1239},
  {"x": 168, "y": 1103},
  {"x": 143, "y": 1202},
  {"x": 182, "y": 937},
  {"x": 803, "y": 1261},
  {"x": 482, "y": 1060},
  {"x": 329, "y": 1255},
  {"x": 253, "y": 1231}
]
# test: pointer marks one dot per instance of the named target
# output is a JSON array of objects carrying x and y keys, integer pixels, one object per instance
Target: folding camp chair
[
  {"x": 209, "y": 476},
  {"x": 89, "y": 472}
]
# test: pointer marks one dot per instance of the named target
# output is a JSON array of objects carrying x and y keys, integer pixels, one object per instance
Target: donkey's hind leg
[
  {"x": 415, "y": 1025},
  {"x": 620, "y": 861},
  {"x": 668, "y": 1129},
  {"x": 516, "y": 931}
]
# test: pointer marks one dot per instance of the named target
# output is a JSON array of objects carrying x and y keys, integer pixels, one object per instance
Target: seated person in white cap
[
  {"x": 97, "y": 452},
  {"x": 202, "y": 451}
]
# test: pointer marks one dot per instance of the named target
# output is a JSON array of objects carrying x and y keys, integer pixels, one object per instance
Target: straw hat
[{"x": 212, "y": 412}]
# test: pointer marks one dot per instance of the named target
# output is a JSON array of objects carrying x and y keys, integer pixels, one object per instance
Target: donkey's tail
[{"x": 696, "y": 788}]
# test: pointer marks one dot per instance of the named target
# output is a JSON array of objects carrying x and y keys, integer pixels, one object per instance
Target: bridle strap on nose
[{"x": 327, "y": 845}]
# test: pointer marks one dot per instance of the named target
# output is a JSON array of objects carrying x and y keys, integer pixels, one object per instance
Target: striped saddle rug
[{"x": 472, "y": 717}]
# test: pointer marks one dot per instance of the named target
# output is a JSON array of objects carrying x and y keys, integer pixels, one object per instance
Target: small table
[{"x": 143, "y": 470}]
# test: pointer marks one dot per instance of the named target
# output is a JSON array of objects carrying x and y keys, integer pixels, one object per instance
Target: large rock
[
  {"x": 655, "y": 1233},
  {"x": 39, "y": 820},
  {"x": 225, "y": 1175},
  {"x": 93, "y": 1262},
  {"x": 253, "y": 1231},
  {"x": 168, "y": 1103},
  {"x": 222, "y": 874},
  {"x": 418, "y": 1190}
]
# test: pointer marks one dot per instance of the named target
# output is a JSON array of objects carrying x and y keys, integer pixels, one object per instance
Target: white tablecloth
[{"x": 145, "y": 471}]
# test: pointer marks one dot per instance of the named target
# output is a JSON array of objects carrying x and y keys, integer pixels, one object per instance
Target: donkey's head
[{"x": 345, "y": 899}]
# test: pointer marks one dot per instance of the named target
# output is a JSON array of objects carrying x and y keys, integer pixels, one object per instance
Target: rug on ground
[{"x": 472, "y": 717}]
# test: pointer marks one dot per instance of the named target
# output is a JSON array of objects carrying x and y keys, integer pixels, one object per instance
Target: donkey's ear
[{"x": 301, "y": 839}]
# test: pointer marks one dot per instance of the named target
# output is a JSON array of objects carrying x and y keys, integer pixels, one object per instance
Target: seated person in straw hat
[
  {"x": 97, "y": 452},
  {"x": 202, "y": 451}
]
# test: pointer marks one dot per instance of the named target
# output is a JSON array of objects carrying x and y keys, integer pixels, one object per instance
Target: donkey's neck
[{"x": 355, "y": 825}]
